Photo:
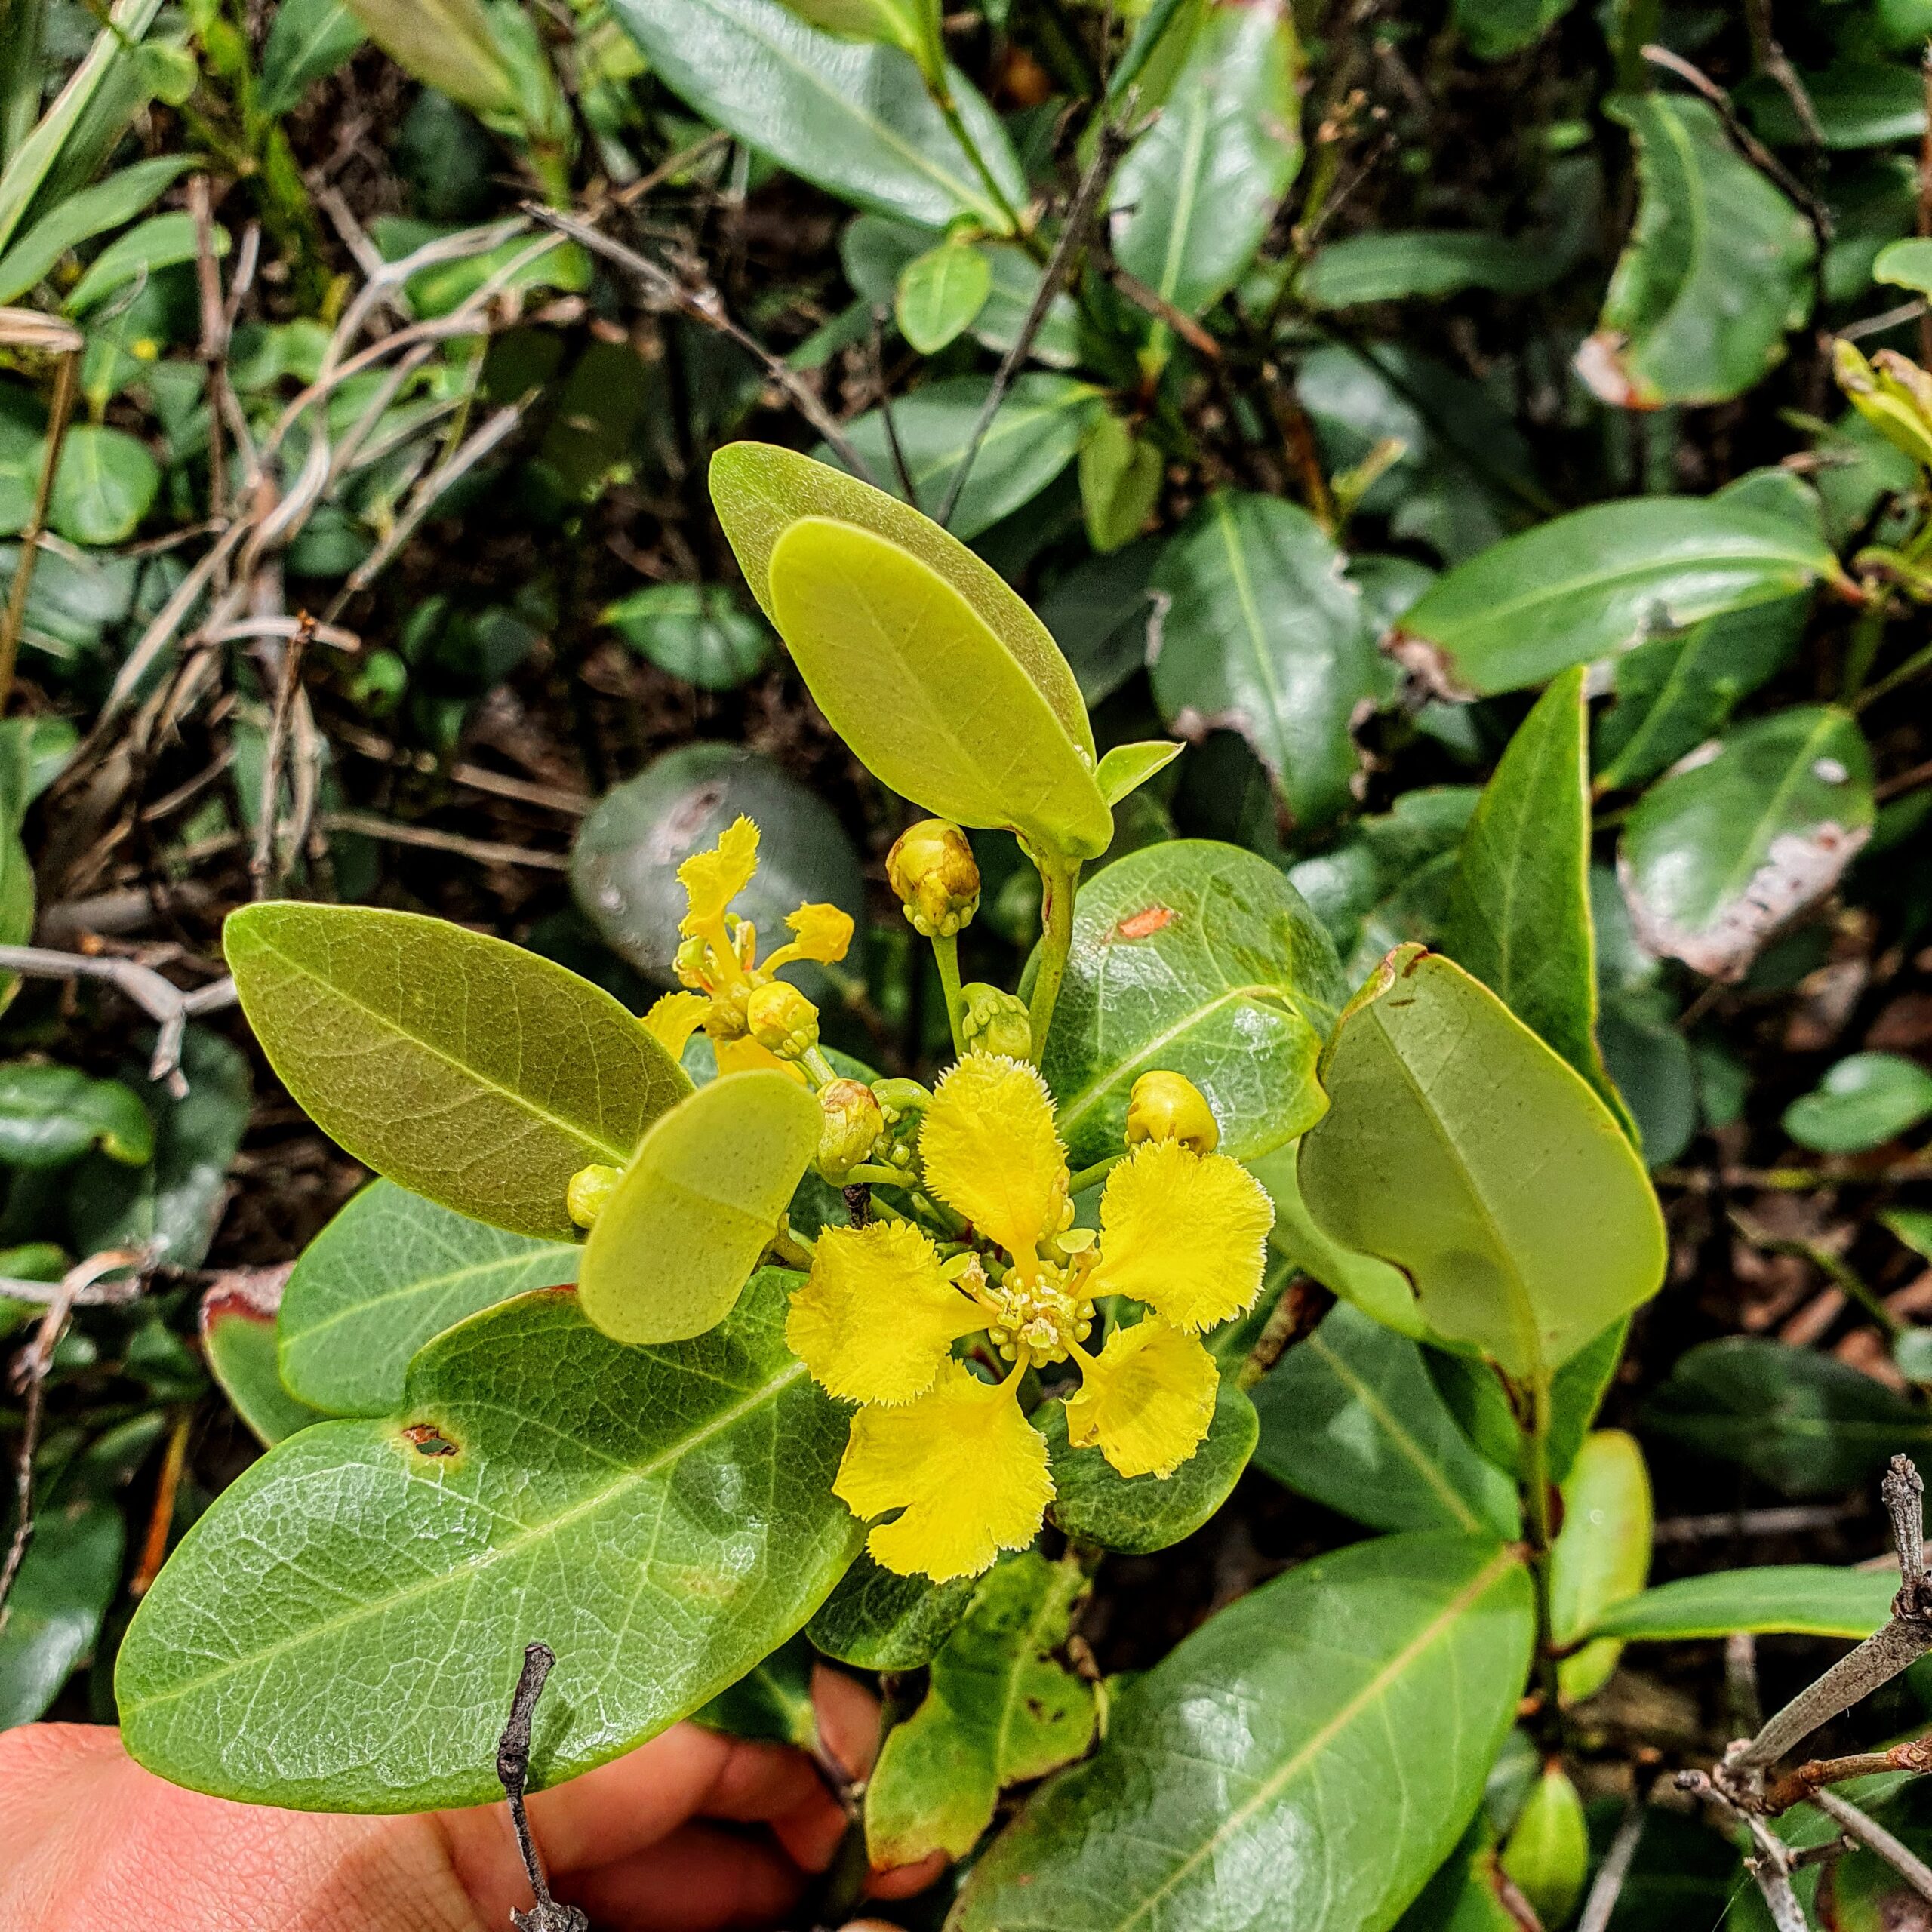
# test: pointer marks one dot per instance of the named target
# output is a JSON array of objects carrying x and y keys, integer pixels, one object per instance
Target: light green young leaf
[
  {"x": 160, "y": 242},
  {"x": 389, "y": 1273},
  {"x": 939, "y": 293},
  {"x": 1264, "y": 634},
  {"x": 464, "y": 1068},
  {"x": 1906, "y": 265},
  {"x": 1523, "y": 1218},
  {"x": 1120, "y": 483},
  {"x": 698, "y": 1204},
  {"x": 1718, "y": 268},
  {"x": 761, "y": 490},
  {"x": 1093, "y": 1503},
  {"x": 1196, "y": 958},
  {"x": 80, "y": 218},
  {"x": 1864, "y": 1101},
  {"x": 1602, "y": 1554},
  {"x": 537, "y": 1475},
  {"x": 1745, "y": 834},
  {"x": 855, "y": 120},
  {"x": 1127, "y": 768},
  {"x": 308, "y": 40},
  {"x": 1350, "y": 1418},
  {"x": 1396, "y": 1664},
  {"x": 1519, "y": 918},
  {"x": 1805, "y": 1599},
  {"x": 448, "y": 45},
  {"x": 237, "y": 1322},
  {"x": 1193, "y": 198},
  {"x": 926, "y": 693},
  {"x": 1548, "y": 1854},
  {"x": 912, "y": 26},
  {"x": 1596, "y": 582},
  {"x": 998, "y": 1710}
]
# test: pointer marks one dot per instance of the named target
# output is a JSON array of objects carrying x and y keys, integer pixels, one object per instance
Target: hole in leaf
[{"x": 428, "y": 1440}]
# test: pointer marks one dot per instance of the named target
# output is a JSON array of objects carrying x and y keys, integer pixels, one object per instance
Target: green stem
[
  {"x": 949, "y": 113},
  {"x": 1867, "y": 634},
  {"x": 1919, "y": 662},
  {"x": 1543, "y": 1539},
  {"x": 1058, "y": 880},
  {"x": 1087, "y": 1177},
  {"x": 945, "y": 950},
  {"x": 1638, "y": 27}
]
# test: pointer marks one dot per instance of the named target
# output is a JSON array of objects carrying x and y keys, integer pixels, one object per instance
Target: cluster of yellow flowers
[{"x": 1183, "y": 1232}]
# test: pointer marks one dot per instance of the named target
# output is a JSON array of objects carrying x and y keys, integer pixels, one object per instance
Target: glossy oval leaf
[
  {"x": 107, "y": 481},
  {"x": 856, "y": 119},
  {"x": 697, "y": 631},
  {"x": 939, "y": 293},
  {"x": 66, "y": 1581},
  {"x": 237, "y": 1324},
  {"x": 1094, "y": 1503},
  {"x": 1245, "y": 1778},
  {"x": 1745, "y": 834},
  {"x": 1803, "y": 1599},
  {"x": 1523, "y": 1217},
  {"x": 1596, "y": 582},
  {"x": 1265, "y": 634},
  {"x": 1198, "y": 958},
  {"x": 390, "y": 1272},
  {"x": 1193, "y": 199},
  {"x": 1718, "y": 268},
  {"x": 463, "y": 1067},
  {"x": 1034, "y": 433},
  {"x": 663, "y": 1517},
  {"x": 926, "y": 694},
  {"x": 1864, "y": 1101},
  {"x": 1602, "y": 1554},
  {"x": 1519, "y": 916},
  {"x": 761, "y": 490},
  {"x": 683, "y": 1230},
  {"x": 877, "y": 1619},
  {"x": 1350, "y": 1418},
  {"x": 308, "y": 40}
]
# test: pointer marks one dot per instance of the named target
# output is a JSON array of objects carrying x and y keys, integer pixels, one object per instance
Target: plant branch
[
  {"x": 14, "y": 623},
  {"x": 1059, "y": 879},
  {"x": 1601, "y": 1903},
  {"x": 513, "y": 1773},
  {"x": 1295, "y": 1317},
  {"x": 1856, "y": 1824}
]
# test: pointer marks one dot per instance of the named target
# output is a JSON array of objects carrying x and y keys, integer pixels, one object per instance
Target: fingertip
[
  {"x": 812, "y": 1833},
  {"x": 902, "y": 1881},
  {"x": 847, "y": 1720}
]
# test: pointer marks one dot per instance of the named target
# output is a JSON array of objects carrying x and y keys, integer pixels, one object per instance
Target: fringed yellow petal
[
  {"x": 822, "y": 933},
  {"x": 874, "y": 1322},
  {"x": 1146, "y": 1400},
  {"x": 674, "y": 1019},
  {"x": 744, "y": 1055},
  {"x": 990, "y": 1150},
  {"x": 712, "y": 880},
  {"x": 968, "y": 1470},
  {"x": 1184, "y": 1232}
]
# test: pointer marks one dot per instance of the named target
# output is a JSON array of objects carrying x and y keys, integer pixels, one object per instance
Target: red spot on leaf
[{"x": 1145, "y": 925}]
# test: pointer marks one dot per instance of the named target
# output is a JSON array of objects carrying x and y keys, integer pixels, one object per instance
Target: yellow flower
[
  {"x": 718, "y": 962},
  {"x": 1182, "y": 1232}
]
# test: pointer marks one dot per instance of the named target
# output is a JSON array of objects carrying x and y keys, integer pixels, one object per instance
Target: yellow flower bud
[
  {"x": 590, "y": 1188},
  {"x": 782, "y": 1020},
  {"x": 853, "y": 1122},
  {"x": 903, "y": 1105},
  {"x": 931, "y": 868},
  {"x": 991, "y": 1022},
  {"x": 1168, "y": 1106}
]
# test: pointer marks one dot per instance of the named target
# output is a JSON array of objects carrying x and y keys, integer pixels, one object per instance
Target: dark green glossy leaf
[
  {"x": 50, "y": 1116},
  {"x": 1199, "y": 959},
  {"x": 1350, "y": 1417},
  {"x": 998, "y": 1710},
  {"x": 1856, "y": 103},
  {"x": 1520, "y": 919},
  {"x": 390, "y": 1272},
  {"x": 1035, "y": 432},
  {"x": 239, "y": 1338},
  {"x": 172, "y": 1203},
  {"x": 1195, "y": 196},
  {"x": 1805, "y": 1422},
  {"x": 772, "y": 1701},
  {"x": 877, "y": 1619},
  {"x": 1746, "y": 835},
  {"x": 1596, "y": 582},
  {"x": 1717, "y": 271},
  {"x": 1465, "y": 1895},
  {"x": 1602, "y": 1554},
  {"x": 1264, "y": 634},
  {"x": 1496, "y": 28},
  {"x": 1524, "y": 1219},
  {"x": 697, "y": 631},
  {"x": 664, "y": 1516},
  {"x": 624, "y": 865},
  {"x": 1864, "y": 1101},
  {"x": 1093, "y": 1503},
  {"x": 1245, "y": 1779},
  {"x": 463, "y": 1067},
  {"x": 1395, "y": 265},
  {"x": 1806, "y": 1599},
  {"x": 854, "y": 118},
  {"x": 67, "y": 1580},
  {"x": 308, "y": 40},
  {"x": 939, "y": 293}
]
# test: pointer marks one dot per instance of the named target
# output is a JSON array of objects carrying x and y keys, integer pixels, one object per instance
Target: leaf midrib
[
  {"x": 1733, "y": 882},
  {"x": 1371, "y": 1693},
  {"x": 642, "y": 1473}
]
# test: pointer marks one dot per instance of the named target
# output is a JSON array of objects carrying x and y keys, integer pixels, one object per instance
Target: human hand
[{"x": 692, "y": 1832}]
